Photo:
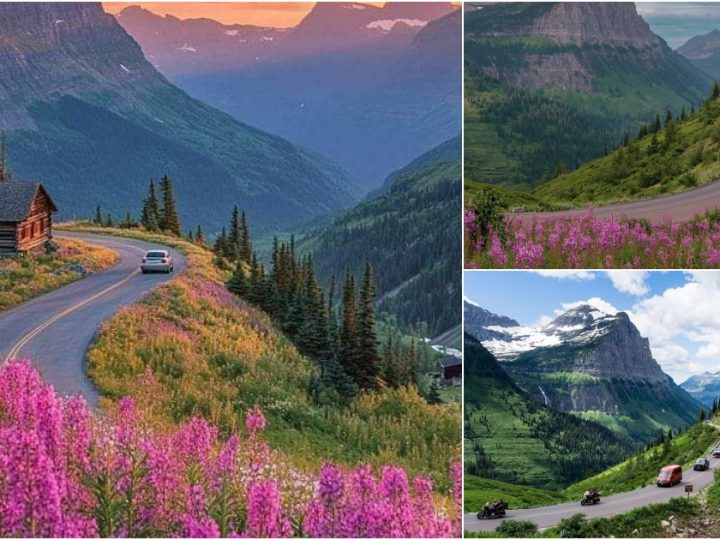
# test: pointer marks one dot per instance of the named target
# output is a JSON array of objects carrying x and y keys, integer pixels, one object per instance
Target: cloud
[
  {"x": 629, "y": 281},
  {"x": 574, "y": 275},
  {"x": 688, "y": 312}
]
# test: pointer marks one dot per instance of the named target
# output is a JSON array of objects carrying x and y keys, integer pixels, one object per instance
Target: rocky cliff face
[
  {"x": 594, "y": 363},
  {"x": 484, "y": 325},
  {"x": 565, "y": 45}
]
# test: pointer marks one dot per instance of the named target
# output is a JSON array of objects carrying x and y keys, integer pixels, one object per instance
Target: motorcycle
[
  {"x": 493, "y": 511},
  {"x": 592, "y": 498}
]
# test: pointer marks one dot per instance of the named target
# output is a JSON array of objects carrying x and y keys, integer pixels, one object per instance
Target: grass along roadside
[
  {"x": 635, "y": 472},
  {"x": 25, "y": 277},
  {"x": 191, "y": 347}
]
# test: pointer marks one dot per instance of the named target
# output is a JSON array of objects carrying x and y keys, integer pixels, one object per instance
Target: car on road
[
  {"x": 157, "y": 260},
  {"x": 669, "y": 476},
  {"x": 701, "y": 464},
  {"x": 716, "y": 452}
]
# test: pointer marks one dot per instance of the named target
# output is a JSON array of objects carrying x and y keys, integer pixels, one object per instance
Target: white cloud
[
  {"x": 688, "y": 312},
  {"x": 574, "y": 275},
  {"x": 629, "y": 281}
]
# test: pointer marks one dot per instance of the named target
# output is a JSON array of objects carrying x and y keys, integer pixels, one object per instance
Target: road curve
[
  {"x": 682, "y": 206},
  {"x": 56, "y": 329},
  {"x": 549, "y": 516}
]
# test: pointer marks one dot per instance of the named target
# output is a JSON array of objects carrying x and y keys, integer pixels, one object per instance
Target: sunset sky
[{"x": 277, "y": 14}]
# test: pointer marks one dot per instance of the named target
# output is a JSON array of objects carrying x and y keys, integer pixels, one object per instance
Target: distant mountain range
[
  {"x": 510, "y": 436},
  {"x": 704, "y": 387},
  {"x": 552, "y": 85},
  {"x": 704, "y": 52},
  {"x": 408, "y": 231},
  {"x": 92, "y": 119},
  {"x": 593, "y": 364},
  {"x": 371, "y": 87}
]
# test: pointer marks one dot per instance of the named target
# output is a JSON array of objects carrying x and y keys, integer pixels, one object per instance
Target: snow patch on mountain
[
  {"x": 187, "y": 48},
  {"x": 579, "y": 325},
  {"x": 386, "y": 25}
]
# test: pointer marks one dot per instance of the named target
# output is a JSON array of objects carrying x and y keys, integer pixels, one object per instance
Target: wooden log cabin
[{"x": 26, "y": 212}]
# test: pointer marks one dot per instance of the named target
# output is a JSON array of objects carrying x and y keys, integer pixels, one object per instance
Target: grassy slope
[
  {"x": 214, "y": 355},
  {"x": 636, "y": 172},
  {"x": 527, "y": 443},
  {"x": 480, "y": 490},
  {"x": 31, "y": 275},
  {"x": 641, "y": 469}
]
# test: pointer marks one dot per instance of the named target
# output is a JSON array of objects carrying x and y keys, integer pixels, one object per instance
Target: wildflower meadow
[
  {"x": 68, "y": 471},
  {"x": 588, "y": 241}
]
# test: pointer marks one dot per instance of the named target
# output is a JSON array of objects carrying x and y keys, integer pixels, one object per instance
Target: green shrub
[{"x": 517, "y": 529}]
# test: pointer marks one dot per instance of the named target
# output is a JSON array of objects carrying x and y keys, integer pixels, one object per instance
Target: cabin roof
[
  {"x": 16, "y": 199},
  {"x": 449, "y": 361}
]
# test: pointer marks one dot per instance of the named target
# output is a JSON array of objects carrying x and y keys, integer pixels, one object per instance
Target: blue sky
[
  {"x": 676, "y": 22},
  {"x": 679, "y": 312}
]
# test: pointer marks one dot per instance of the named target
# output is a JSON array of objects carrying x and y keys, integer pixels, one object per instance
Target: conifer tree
[
  {"x": 238, "y": 283},
  {"x": 98, "y": 216},
  {"x": 668, "y": 117},
  {"x": 702, "y": 416},
  {"x": 199, "y": 236},
  {"x": 348, "y": 331},
  {"x": 109, "y": 221},
  {"x": 190, "y": 237},
  {"x": 434, "y": 397},
  {"x": 245, "y": 250},
  {"x": 169, "y": 220},
  {"x": 234, "y": 235},
  {"x": 715, "y": 92},
  {"x": 221, "y": 244},
  {"x": 150, "y": 215},
  {"x": 368, "y": 362}
]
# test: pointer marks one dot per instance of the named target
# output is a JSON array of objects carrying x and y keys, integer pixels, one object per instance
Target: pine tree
[
  {"x": 368, "y": 362},
  {"x": 109, "y": 221},
  {"x": 434, "y": 397},
  {"x": 221, "y": 244},
  {"x": 190, "y": 236},
  {"x": 348, "y": 331},
  {"x": 656, "y": 124},
  {"x": 199, "y": 236},
  {"x": 238, "y": 283},
  {"x": 702, "y": 417},
  {"x": 245, "y": 242},
  {"x": 234, "y": 235},
  {"x": 169, "y": 220},
  {"x": 150, "y": 215},
  {"x": 98, "y": 216},
  {"x": 668, "y": 117},
  {"x": 715, "y": 92}
]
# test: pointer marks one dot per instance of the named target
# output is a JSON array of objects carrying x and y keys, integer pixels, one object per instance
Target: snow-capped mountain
[
  {"x": 704, "y": 387},
  {"x": 588, "y": 361}
]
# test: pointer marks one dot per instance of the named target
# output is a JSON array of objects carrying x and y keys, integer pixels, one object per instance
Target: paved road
[
  {"x": 55, "y": 330},
  {"x": 548, "y": 516},
  {"x": 680, "y": 206}
]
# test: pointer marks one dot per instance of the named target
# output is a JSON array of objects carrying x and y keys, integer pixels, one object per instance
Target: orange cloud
[{"x": 277, "y": 14}]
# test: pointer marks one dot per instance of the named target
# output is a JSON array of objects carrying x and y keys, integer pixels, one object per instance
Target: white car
[{"x": 157, "y": 260}]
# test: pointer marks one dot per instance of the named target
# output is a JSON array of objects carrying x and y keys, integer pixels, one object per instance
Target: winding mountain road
[
  {"x": 682, "y": 206},
  {"x": 56, "y": 329},
  {"x": 549, "y": 516}
]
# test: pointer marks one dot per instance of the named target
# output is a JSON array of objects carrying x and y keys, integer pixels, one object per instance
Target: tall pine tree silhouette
[
  {"x": 150, "y": 215},
  {"x": 169, "y": 220},
  {"x": 368, "y": 360}
]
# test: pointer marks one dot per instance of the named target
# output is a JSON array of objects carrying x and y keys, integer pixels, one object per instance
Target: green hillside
[
  {"x": 683, "y": 154},
  {"x": 642, "y": 468},
  {"x": 409, "y": 232},
  {"x": 521, "y": 125},
  {"x": 512, "y": 438}
]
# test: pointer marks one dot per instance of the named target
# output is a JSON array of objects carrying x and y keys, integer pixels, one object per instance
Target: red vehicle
[{"x": 669, "y": 476}]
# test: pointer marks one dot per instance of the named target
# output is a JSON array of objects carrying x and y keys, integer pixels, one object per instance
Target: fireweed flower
[
  {"x": 65, "y": 472},
  {"x": 588, "y": 241}
]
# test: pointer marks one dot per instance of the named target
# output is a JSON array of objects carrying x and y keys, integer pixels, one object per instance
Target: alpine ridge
[
  {"x": 596, "y": 365},
  {"x": 87, "y": 114}
]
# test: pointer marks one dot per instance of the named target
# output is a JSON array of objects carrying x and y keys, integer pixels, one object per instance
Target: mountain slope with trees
[
  {"x": 92, "y": 118},
  {"x": 670, "y": 154},
  {"x": 551, "y": 85},
  {"x": 409, "y": 233},
  {"x": 512, "y": 438}
]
